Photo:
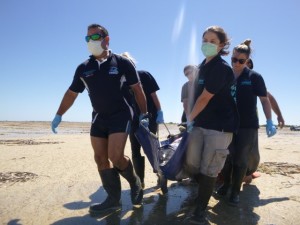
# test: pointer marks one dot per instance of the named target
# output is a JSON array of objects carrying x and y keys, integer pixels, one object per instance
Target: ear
[{"x": 106, "y": 41}]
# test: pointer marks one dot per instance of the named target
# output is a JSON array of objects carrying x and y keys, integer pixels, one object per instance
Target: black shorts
[{"x": 104, "y": 126}]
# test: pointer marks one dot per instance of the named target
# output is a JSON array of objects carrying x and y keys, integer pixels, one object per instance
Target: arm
[
  {"x": 200, "y": 104},
  {"x": 156, "y": 101},
  {"x": 140, "y": 97},
  {"x": 160, "y": 115},
  {"x": 276, "y": 109},
  {"x": 270, "y": 128},
  {"x": 266, "y": 107},
  {"x": 185, "y": 106},
  {"x": 67, "y": 102}
]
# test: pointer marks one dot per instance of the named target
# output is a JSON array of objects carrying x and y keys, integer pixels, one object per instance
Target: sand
[{"x": 52, "y": 179}]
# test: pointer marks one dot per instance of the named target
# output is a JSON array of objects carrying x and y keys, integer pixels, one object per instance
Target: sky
[{"x": 42, "y": 43}]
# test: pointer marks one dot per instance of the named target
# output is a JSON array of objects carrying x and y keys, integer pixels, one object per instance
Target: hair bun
[{"x": 247, "y": 42}]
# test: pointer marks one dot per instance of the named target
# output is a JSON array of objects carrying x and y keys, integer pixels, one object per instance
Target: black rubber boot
[
  {"x": 226, "y": 174},
  {"x": 162, "y": 182},
  {"x": 139, "y": 167},
  {"x": 112, "y": 185},
  {"x": 238, "y": 174},
  {"x": 135, "y": 184},
  {"x": 206, "y": 186}
]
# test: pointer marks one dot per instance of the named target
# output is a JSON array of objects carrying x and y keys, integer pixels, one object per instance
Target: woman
[
  {"x": 213, "y": 118},
  {"x": 249, "y": 86}
]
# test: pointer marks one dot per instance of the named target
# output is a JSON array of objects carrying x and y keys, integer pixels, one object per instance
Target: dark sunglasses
[
  {"x": 93, "y": 37},
  {"x": 241, "y": 61}
]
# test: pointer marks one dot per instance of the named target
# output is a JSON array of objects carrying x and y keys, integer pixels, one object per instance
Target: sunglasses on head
[
  {"x": 93, "y": 37},
  {"x": 241, "y": 61}
]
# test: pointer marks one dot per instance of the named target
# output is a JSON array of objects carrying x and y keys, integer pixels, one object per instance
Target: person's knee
[
  {"x": 119, "y": 161},
  {"x": 101, "y": 163}
]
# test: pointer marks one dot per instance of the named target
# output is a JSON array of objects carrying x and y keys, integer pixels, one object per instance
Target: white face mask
[{"x": 95, "y": 47}]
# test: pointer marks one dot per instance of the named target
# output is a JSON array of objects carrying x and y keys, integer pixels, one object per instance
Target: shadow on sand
[{"x": 172, "y": 209}]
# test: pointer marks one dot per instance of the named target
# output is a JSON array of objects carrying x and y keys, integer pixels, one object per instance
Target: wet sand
[{"x": 52, "y": 179}]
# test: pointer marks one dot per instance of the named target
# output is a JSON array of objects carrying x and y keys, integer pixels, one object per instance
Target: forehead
[
  {"x": 239, "y": 55},
  {"x": 95, "y": 30},
  {"x": 210, "y": 36}
]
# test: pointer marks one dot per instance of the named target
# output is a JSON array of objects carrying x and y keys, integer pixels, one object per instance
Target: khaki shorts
[{"x": 207, "y": 151}]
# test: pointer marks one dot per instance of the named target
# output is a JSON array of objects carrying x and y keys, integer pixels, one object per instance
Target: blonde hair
[
  {"x": 244, "y": 47},
  {"x": 128, "y": 56}
]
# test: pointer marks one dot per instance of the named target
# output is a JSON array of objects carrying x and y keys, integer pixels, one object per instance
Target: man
[
  {"x": 187, "y": 89},
  {"x": 106, "y": 76},
  {"x": 150, "y": 88}
]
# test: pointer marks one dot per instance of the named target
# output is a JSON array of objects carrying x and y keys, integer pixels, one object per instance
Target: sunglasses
[
  {"x": 241, "y": 61},
  {"x": 93, "y": 37}
]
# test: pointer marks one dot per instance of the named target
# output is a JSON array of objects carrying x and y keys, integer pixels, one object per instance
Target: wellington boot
[
  {"x": 139, "y": 167},
  {"x": 112, "y": 185},
  {"x": 237, "y": 179},
  {"x": 205, "y": 190},
  {"x": 222, "y": 191},
  {"x": 135, "y": 184}
]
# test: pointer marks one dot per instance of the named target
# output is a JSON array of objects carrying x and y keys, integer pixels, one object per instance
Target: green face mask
[{"x": 209, "y": 49}]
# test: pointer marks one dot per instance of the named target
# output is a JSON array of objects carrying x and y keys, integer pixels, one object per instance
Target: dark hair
[
  {"x": 244, "y": 48},
  {"x": 222, "y": 36},
  {"x": 187, "y": 67},
  {"x": 250, "y": 64},
  {"x": 103, "y": 29}
]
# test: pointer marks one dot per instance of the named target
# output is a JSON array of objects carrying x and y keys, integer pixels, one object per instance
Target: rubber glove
[
  {"x": 55, "y": 122},
  {"x": 144, "y": 120},
  {"x": 190, "y": 125},
  {"x": 270, "y": 128},
  {"x": 160, "y": 117}
]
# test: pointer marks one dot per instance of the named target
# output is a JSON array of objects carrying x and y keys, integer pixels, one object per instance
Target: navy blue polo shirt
[
  {"x": 149, "y": 86},
  {"x": 107, "y": 83},
  {"x": 249, "y": 85},
  {"x": 220, "y": 113}
]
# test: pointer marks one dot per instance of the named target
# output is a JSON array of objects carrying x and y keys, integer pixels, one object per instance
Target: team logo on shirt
[
  {"x": 113, "y": 70},
  {"x": 201, "y": 81},
  {"x": 246, "y": 82},
  {"x": 88, "y": 73}
]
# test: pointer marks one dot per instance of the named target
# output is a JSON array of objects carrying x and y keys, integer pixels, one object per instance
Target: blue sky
[{"x": 42, "y": 43}]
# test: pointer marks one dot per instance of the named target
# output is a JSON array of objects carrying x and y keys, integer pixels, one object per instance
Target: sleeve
[
  {"x": 77, "y": 84},
  {"x": 130, "y": 72},
  {"x": 259, "y": 87},
  {"x": 148, "y": 82},
  {"x": 184, "y": 91}
]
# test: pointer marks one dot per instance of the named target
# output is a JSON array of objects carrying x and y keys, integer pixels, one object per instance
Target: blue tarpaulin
[{"x": 153, "y": 150}]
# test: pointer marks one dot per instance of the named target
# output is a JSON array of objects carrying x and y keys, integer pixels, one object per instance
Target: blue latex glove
[
  {"x": 55, "y": 122},
  {"x": 270, "y": 128},
  {"x": 160, "y": 117},
  {"x": 190, "y": 125},
  {"x": 144, "y": 120}
]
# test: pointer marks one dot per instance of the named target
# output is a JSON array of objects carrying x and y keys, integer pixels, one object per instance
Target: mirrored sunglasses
[
  {"x": 241, "y": 61},
  {"x": 93, "y": 37}
]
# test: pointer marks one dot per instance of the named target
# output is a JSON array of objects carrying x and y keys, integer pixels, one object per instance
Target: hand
[
  {"x": 144, "y": 120},
  {"x": 56, "y": 121},
  {"x": 160, "y": 117},
  {"x": 270, "y": 128},
  {"x": 190, "y": 125},
  {"x": 280, "y": 121}
]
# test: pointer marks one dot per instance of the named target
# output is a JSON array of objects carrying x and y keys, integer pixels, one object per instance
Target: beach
[{"x": 48, "y": 178}]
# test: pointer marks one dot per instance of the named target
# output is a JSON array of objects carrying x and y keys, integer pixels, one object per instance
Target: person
[
  {"x": 150, "y": 88},
  {"x": 254, "y": 157},
  {"x": 249, "y": 85},
  {"x": 106, "y": 76},
  {"x": 186, "y": 91},
  {"x": 213, "y": 119}
]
